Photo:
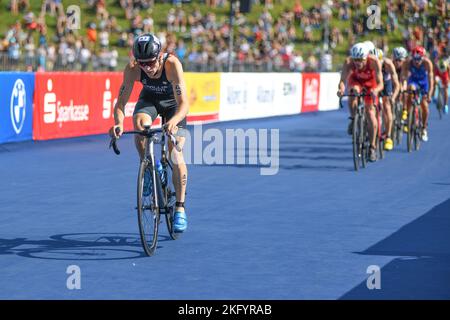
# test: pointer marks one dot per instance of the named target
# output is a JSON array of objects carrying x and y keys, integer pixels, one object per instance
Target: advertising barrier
[
  {"x": 77, "y": 104},
  {"x": 328, "y": 99},
  {"x": 55, "y": 105},
  {"x": 256, "y": 95},
  {"x": 203, "y": 90},
  {"x": 16, "y": 106},
  {"x": 311, "y": 92}
]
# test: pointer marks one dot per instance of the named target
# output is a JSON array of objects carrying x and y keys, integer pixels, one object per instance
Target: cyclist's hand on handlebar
[
  {"x": 171, "y": 126},
  {"x": 116, "y": 131},
  {"x": 374, "y": 94},
  {"x": 341, "y": 90}
]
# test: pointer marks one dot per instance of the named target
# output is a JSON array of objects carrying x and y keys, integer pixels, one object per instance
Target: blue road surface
[{"x": 309, "y": 232}]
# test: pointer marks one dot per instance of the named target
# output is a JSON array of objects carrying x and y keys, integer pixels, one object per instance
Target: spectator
[
  {"x": 92, "y": 33},
  {"x": 29, "y": 54},
  {"x": 84, "y": 57}
]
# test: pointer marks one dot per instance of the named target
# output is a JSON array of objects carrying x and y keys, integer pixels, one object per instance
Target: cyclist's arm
[
  {"x": 394, "y": 76},
  {"x": 344, "y": 74},
  {"x": 130, "y": 75},
  {"x": 174, "y": 71},
  {"x": 378, "y": 75},
  {"x": 429, "y": 67},
  {"x": 404, "y": 74}
]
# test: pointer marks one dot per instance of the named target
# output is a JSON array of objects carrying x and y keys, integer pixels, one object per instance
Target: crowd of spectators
[{"x": 202, "y": 41}]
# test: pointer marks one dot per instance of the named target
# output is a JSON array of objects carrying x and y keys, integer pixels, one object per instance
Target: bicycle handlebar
[
  {"x": 146, "y": 133},
  {"x": 362, "y": 94}
]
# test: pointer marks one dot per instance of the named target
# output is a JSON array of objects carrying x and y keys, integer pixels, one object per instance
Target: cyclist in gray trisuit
[{"x": 163, "y": 93}]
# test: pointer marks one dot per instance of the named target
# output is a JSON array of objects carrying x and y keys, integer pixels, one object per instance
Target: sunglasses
[
  {"x": 147, "y": 63},
  {"x": 417, "y": 58}
]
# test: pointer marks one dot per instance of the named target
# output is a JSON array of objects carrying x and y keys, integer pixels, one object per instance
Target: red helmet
[{"x": 418, "y": 51}]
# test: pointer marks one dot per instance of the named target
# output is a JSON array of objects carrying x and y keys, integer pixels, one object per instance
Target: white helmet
[
  {"x": 359, "y": 51},
  {"x": 371, "y": 47},
  {"x": 400, "y": 53}
]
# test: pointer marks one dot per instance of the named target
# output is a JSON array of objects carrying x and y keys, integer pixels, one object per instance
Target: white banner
[
  {"x": 256, "y": 95},
  {"x": 328, "y": 88}
]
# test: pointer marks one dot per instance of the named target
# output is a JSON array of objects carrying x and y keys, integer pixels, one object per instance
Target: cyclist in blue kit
[
  {"x": 163, "y": 93},
  {"x": 418, "y": 71}
]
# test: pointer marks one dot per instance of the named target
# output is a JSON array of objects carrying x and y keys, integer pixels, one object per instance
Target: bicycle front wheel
[
  {"x": 356, "y": 139},
  {"x": 148, "y": 212},
  {"x": 411, "y": 128},
  {"x": 440, "y": 103},
  {"x": 418, "y": 133}
]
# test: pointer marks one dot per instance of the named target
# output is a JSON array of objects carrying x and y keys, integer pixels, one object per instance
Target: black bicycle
[
  {"x": 415, "y": 126},
  {"x": 360, "y": 133},
  {"x": 163, "y": 197}
]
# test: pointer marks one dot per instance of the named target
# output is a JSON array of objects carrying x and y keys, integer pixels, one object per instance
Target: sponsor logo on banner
[
  {"x": 236, "y": 95},
  {"x": 265, "y": 95},
  {"x": 289, "y": 89},
  {"x": 203, "y": 92},
  {"x": 311, "y": 90},
  {"x": 54, "y": 110},
  {"x": 72, "y": 104},
  {"x": 18, "y": 105}
]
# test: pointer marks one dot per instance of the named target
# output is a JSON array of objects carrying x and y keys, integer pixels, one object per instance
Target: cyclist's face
[
  {"x": 398, "y": 62},
  {"x": 359, "y": 63},
  {"x": 151, "y": 66},
  {"x": 417, "y": 60}
]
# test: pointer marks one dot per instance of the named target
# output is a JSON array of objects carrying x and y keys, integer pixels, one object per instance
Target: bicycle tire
[
  {"x": 356, "y": 141},
  {"x": 148, "y": 225},
  {"x": 380, "y": 138},
  {"x": 364, "y": 141},
  {"x": 418, "y": 134},
  {"x": 169, "y": 199},
  {"x": 399, "y": 124},
  {"x": 440, "y": 103},
  {"x": 411, "y": 128}
]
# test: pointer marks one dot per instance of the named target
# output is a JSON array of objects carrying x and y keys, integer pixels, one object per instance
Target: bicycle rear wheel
[
  {"x": 170, "y": 199},
  {"x": 148, "y": 212}
]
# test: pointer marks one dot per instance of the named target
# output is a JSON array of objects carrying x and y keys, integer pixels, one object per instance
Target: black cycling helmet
[{"x": 146, "y": 46}]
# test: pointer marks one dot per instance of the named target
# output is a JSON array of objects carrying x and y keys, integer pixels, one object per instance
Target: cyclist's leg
[
  {"x": 387, "y": 107},
  {"x": 144, "y": 114},
  {"x": 424, "y": 105},
  {"x": 179, "y": 175},
  {"x": 412, "y": 85},
  {"x": 371, "y": 114},
  {"x": 354, "y": 87}
]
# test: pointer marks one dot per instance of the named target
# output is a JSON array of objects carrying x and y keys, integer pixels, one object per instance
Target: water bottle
[{"x": 160, "y": 169}]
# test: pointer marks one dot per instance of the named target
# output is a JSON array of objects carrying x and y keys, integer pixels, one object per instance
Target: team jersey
[
  {"x": 418, "y": 73},
  {"x": 386, "y": 74},
  {"x": 156, "y": 89},
  {"x": 365, "y": 76}
]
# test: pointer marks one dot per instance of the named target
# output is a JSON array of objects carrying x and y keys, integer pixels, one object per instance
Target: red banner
[
  {"x": 311, "y": 92},
  {"x": 77, "y": 104}
]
